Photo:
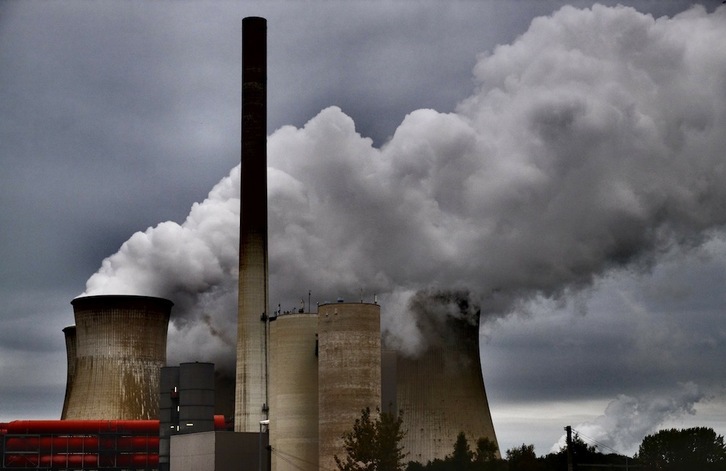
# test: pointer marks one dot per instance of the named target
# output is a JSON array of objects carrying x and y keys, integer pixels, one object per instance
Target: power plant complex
[{"x": 302, "y": 379}]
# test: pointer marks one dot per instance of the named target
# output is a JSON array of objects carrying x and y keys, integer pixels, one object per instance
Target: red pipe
[
  {"x": 138, "y": 427},
  {"x": 138, "y": 459},
  {"x": 131, "y": 427},
  {"x": 81, "y": 461},
  {"x": 81, "y": 444}
]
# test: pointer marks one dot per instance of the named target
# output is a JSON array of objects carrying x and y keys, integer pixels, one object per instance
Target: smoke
[
  {"x": 627, "y": 420},
  {"x": 194, "y": 264},
  {"x": 594, "y": 141},
  {"x": 437, "y": 319}
]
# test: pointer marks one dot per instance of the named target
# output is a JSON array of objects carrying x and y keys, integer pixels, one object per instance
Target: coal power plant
[{"x": 302, "y": 378}]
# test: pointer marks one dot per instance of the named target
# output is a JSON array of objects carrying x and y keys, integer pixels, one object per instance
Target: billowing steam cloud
[
  {"x": 594, "y": 141},
  {"x": 627, "y": 420},
  {"x": 194, "y": 264}
]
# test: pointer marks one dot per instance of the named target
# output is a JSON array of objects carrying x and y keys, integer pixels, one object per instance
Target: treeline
[
  {"x": 691, "y": 449},
  {"x": 374, "y": 444}
]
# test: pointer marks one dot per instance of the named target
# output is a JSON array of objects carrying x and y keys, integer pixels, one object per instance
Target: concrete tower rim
[{"x": 87, "y": 301}]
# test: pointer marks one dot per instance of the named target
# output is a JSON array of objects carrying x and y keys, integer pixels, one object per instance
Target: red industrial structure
[
  {"x": 81, "y": 444},
  {"x": 112, "y": 445}
]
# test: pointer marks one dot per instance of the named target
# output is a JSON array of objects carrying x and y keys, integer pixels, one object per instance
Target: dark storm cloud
[
  {"x": 633, "y": 334},
  {"x": 584, "y": 149},
  {"x": 90, "y": 111},
  {"x": 646, "y": 347},
  {"x": 106, "y": 125}
]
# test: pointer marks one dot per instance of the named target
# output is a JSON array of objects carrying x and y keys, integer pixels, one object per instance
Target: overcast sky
[{"x": 557, "y": 164}]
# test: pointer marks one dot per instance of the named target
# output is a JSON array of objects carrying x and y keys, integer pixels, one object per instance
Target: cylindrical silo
[
  {"x": 196, "y": 397},
  {"x": 349, "y": 371},
  {"x": 294, "y": 392},
  {"x": 442, "y": 393},
  {"x": 120, "y": 349},
  {"x": 70, "y": 336}
]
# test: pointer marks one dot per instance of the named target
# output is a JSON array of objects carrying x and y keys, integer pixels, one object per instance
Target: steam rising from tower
[{"x": 251, "y": 392}]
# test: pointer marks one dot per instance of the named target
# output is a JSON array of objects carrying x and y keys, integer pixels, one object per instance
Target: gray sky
[{"x": 564, "y": 175}]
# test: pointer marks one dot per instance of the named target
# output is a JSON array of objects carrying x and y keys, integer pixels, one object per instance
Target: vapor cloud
[
  {"x": 594, "y": 141},
  {"x": 627, "y": 420}
]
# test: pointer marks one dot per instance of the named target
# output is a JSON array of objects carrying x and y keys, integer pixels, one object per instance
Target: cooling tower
[
  {"x": 294, "y": 392},
  {"x": 442, "y": 394},
  {"x": 349, "y": 371},
  {"x": 251, "y": 383},
  {"x": 120, "y": 349},
  {"x": 70, "y": 336}
]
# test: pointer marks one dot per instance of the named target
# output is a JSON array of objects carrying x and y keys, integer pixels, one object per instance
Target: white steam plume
[
  {"x": 627, "y": 420},
  {"x": 594, "y": 141},
  {"x": 195, "y": 265}
]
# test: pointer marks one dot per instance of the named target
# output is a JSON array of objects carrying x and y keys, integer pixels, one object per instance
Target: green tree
[
  {"x": 584, "y": 457},
  {"x": 698, "y": 448},
  {"x": 463, "y": 459},
  {"x": 389, "y": 434},
  {"x": 523, "y": 458},
  {"x": 486, "y": 451},
  {"x": 374, "y": 444},
  {"x": 462, "y": 456}
]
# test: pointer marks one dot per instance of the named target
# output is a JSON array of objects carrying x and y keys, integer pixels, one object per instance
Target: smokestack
[
  {"x": 251, "y": 384},
  {"x": 120, "y": 350}
]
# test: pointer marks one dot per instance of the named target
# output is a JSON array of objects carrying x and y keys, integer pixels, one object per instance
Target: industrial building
[{"x": 302, "y": 379}]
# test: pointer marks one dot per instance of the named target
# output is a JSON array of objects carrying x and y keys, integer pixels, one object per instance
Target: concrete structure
[
  {"x": 294, "y": 392},
  {"x": 120, "y": 349},
  {"x": 389, "y": 376},
  {"x": 112, "y": 445},
  {"x": 70, "y": 336},
  {"x": 186, "y": 403},
  {"x": 196, "y": 397},
  {"x": 251, "y": 400},
  {"x": 442, "y": 394},
  {"x": 219, "y": 451},
  {"x": 349, "y": 371}
]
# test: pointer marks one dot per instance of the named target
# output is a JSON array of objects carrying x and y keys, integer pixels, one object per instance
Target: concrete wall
[{"x": 219, "y": 451}]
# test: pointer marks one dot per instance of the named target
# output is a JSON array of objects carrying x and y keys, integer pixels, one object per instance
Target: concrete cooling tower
[
  {"x": 120, "y": 349},
  {"x": 294, "y": 392},
  {"x": 442, "y": 394},
  {"x": 349, "y": 371},
  {"x": 70, "y": 335}
]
